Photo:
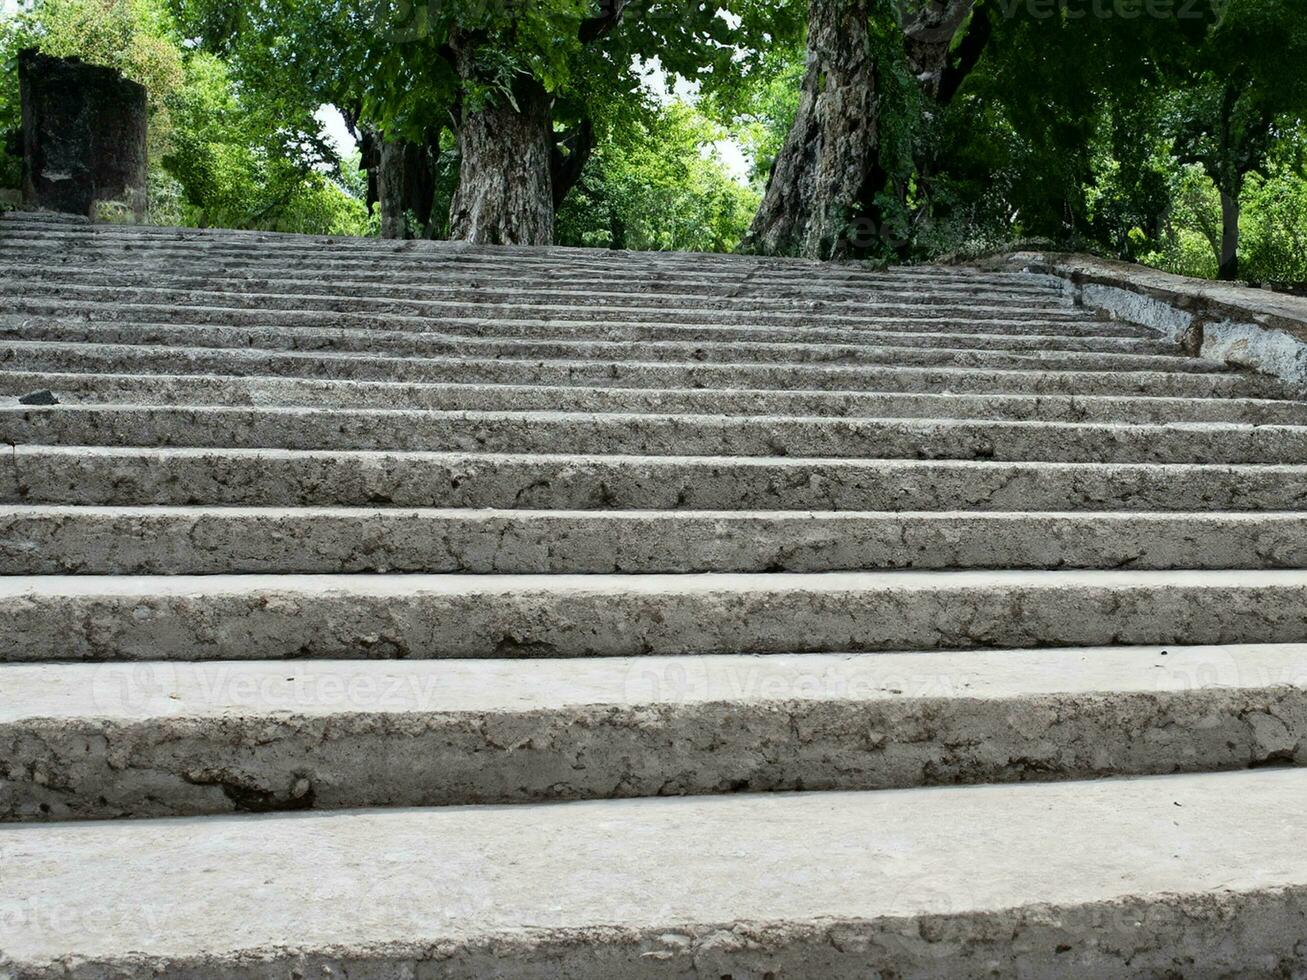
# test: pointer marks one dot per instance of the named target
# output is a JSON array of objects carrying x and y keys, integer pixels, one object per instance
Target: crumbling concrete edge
[{"x": 1240, "y": 325}]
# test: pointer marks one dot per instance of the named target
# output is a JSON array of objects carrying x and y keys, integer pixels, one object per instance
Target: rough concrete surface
[
  {"x": 165, "y": 739},
  {"x": 251, "y": 617},
  {"x": 1229, "y": 322},
  {"x": 124, "y": 476},
  {"x": 916, "y": 883},
  {"x": 291, "y": 540}
]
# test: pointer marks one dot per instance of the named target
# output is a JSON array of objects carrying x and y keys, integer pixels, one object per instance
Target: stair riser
[
  {"x": 542, "y": 323},
  {"x": 235, "y": 391},
  {"x": 409, "y": 281},
  {"x": 275, "y": 623},
  {"x": 430, "y": 316},
  {"x": 93, "y": 768},
  {"x": 913, "y": 351},
  {"x": 863, "y": 305},
  {"x": 43, "y": 475},
  {"x": 287, "y": 543},
  {"x": 126, "y": 359},
  {"x": 646, "y": 435},
  {"x": 513, "y": 261}
]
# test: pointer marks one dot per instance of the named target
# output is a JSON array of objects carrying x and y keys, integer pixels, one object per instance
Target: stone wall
[
  {"x": 84, "y": 136},
  {"x": 1241, "y": 325}
]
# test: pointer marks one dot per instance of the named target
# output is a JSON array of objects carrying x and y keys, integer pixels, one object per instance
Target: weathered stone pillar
[{"x": 84, "y": 136}]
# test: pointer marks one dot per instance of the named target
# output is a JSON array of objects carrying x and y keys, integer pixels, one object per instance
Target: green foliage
[{"x": 659, "y": 186}]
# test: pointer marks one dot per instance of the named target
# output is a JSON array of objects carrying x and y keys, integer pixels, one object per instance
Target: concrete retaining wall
[{"x": 1240, "y": 325}]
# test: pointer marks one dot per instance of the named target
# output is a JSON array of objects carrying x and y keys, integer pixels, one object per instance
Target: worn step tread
[
  {"x": 380, "y": 616},
  {"x": 193, "y": 540},
  {"x": 626, "y": 433},
  {"x": 273, "y": 736},
  {"x": 216, "y": 389},
  {"x": 1033, "y": 378},
  {"x": 126, "y": 476},
  {"x": 1163, "y": 872},
  {"x": 908, "y": 350}
]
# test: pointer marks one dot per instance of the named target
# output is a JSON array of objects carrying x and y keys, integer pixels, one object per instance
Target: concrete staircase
[{"x": 350, "y": 527}]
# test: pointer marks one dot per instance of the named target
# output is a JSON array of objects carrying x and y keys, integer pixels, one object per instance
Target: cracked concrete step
[
  {"x": 49, "y": 540},
  {"x": 550, "y": 322},
  {"x": 489, "y": 318},
  {"x": 182, "y": 739},
  {"x": 419, "y": 617},
  {"x": 275, "y": 276},
  {"x": 1189, "y": 874},
  {"x": 109, "y": 476},
  {"x": 484, "y": 304},
  {"x": 917, "y": 332},
  {"x": 1036, "y": 379},
  {"x": 415, "y": 282},
  {"x": 628, "y": 434},
  {"x": 199, "y": 389},
  {"x": 197, "y": 243},
  {"x": 909, "y": 350}
]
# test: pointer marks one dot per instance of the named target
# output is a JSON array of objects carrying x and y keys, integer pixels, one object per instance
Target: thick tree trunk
[
  {"x": 505, "y": 190},
  {"x": 830, "y": 159},
  {"x": 1229, "y": 257},
  {"x": 83, "y": 136},
  {"x": 929, "y": 30},
  {"x": 406, "y": 188}
]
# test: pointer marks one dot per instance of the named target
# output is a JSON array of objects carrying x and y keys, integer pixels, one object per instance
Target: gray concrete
[
  {"x": 1230, "y": 322},
  {"x": 913, "y": 350},
  {"x": 199, "y": 389},
  {"x": 252, "y": 617},
  {"x": 157, "y": 540},
  {"x": 488, "y": 503},
  {"x": 645, "y": 434},
  {"x": 118, "y": 740},
  {"x": 120, "y": 476},
  {"x": 150, "y": 357},
  {"x": 1201, "y": 876}
]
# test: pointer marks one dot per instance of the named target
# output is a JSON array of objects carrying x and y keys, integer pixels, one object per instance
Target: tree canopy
[{"x": 892, "y": 130}]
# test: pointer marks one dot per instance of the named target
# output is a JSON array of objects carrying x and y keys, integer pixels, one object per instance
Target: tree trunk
[
  {"x": 929, "y": 31},
  {"x": 1229, "y": 257},
  {"x": 505, "y": 190},
  {"x": 831, "y": 157},
  {"x": 406, "y": 188}
]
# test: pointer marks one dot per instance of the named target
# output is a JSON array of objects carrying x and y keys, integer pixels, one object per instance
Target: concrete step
[
  {"x": 439, "y": 300},
  {"x": 635, "y": 434},
  {"x": 272, "y": 247},
  {"x": 46, "y": 540},
  {"x": 1200, "y": 875},
  {"x": 1036, "y": 378},
  {"x": 420, "y": 617},
  {"x": 569, "y": 323},
  {"x": 109, "y": 476},
  {"x": 181, "y": 739},
  {"x": 420, "y": 280},
  {"x": 911, "y": 350},
  {"x": 483, "y": 319},
  {"x": 281, "y": 276},
  {"x": 200, "y": 389}
]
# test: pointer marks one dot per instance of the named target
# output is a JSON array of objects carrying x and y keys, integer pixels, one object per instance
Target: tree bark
[
  {"x": 1229, "y": 254},
  {"x": 505, "y": 190},
  {"x": 830, "y": 160},
  {"x": 406, "y": 189},
  {"x": 84, "y": 135},
  {"x": 820, "y": 198}
]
